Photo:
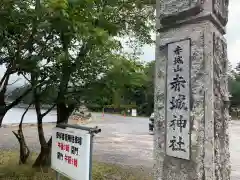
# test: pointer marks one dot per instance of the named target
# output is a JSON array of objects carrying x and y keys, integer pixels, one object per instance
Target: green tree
[
  {"x": 147, "y": 105},
  {"x": 93, "y": 26},
  {"x": 126, "y": 82},
  {"x": 15, "y": 33},
  {"x": 85, "y": 32},
  {"x": 234, "y": 87},
  {"x": 66, "y": 45},
  {"x": 24, "y": 44}
]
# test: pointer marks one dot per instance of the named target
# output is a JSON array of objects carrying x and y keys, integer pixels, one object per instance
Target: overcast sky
[
  {"x": 233, "y": 32},
  {"x": 232, "y": 36}
]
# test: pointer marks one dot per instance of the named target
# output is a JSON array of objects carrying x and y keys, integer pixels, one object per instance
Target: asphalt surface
[{"x": 123, "y": 140}]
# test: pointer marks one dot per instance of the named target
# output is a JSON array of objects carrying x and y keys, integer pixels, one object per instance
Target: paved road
[
  {"x": 235, "y": 149},
  {"x": 126, "y": 141},
  {"x": 123, "y": 140}
]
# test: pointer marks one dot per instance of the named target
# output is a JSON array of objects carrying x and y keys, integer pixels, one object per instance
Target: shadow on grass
[{"x": 11, "y": 170}]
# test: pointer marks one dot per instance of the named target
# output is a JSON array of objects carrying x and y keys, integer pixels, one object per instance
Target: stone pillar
[{"x": 197, "y": 28}]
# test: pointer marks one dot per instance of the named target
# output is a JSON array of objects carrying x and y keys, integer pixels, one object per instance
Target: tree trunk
[
  {"x": 63, "y": 113},
  {"x": 24, "y": 150},
  {"x": 44, "y": 158},
  {"x": 1, "y": 118},
  {"x": 3, "y": 109}
]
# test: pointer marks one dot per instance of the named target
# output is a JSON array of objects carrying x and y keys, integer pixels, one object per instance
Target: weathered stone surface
[
  {"x": 209, "y": 112},
  {"x": 83, "y": 112},
  {"x": 221, "y": 117},
  {"x": 220, "y": 9},
  {"x": 174, "y": 13},
  {"x": 80, "y": 115},
  {"x": 169, "y": 168},
  {"x": 174, "y": 7},
  {"x": 203, "y": 21}
]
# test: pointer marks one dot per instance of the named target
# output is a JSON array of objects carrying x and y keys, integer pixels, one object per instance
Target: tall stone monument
[{"x": 191, "y": 140}]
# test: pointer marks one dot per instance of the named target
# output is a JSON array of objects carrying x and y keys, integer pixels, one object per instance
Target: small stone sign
[
  {"x": 178, "y": 100},
  {"x": 71, "y": 153}
]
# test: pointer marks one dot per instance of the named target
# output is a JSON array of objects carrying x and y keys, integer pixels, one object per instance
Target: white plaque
[
  {"x": 134, "y": 112},
  {"x": 178, "y": 100},
  {"x": 71, "y": 153}
]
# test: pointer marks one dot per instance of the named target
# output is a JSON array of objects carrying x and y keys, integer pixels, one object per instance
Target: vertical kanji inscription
[{"x": 178, "y": 100}]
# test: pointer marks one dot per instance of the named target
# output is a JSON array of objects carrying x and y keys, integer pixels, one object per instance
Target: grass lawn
[{"x": 10, "y": 170}]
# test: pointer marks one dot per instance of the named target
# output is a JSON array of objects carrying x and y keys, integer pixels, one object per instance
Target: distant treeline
[{"x": 128, "y": 84}]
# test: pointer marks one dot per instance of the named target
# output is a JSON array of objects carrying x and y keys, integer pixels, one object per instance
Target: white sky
[
  {"x": 233, "y": 32},
  {"x": 232, "y": 36}
]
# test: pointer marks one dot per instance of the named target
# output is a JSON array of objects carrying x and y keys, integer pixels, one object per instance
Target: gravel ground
[
  {"x": 123, "y": 140},
  {"x": 117, "y": 143},
  {"x": 9, "y": 141}
]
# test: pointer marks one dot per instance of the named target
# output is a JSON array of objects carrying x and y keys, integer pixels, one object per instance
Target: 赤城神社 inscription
[
  {"x": 178, "y": 100},
  {"x": 191, "y": 91}
]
